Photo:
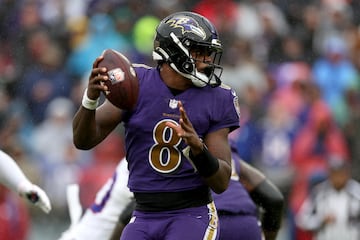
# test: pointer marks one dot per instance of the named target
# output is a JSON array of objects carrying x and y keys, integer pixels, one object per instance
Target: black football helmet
[{"x": 181, "y": 33}]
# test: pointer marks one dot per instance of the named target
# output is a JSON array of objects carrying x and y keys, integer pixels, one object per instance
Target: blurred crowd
[{"x": 294, "y": 64}]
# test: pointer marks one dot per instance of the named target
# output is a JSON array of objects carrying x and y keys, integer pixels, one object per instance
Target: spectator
[
  {"x": 352, "y": 131},
  {"x": 101, "y": 34},
  {"x": 15, "y": 218},
  {"x": 334, "y": 73},
  {"x": 318, "y": 139},
  {"x": 52, "y": 147},
  {"x": 44, "y": 79}
]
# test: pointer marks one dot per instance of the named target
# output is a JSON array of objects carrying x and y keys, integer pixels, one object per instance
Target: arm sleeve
[
  {"x": 10, "y": 173},
  {"x": 268, "y": 196}
]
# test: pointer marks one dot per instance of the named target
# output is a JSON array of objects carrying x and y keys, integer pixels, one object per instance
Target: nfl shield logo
[
  {"x": 116, "y": 75},
  {"x": 173, "y": 103}
]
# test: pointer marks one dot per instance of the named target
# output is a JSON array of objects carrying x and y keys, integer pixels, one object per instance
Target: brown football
[{"x": 123, "y": 83}]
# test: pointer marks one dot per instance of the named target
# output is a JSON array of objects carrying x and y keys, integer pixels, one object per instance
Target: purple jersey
[
  {"x": 237, "y": 212},
  {"x": 154, "y": 151},
  {"x": 235, "y": 199}
]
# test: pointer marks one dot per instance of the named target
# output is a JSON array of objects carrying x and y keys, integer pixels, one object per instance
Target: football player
[
  {"x": 181, "y": 121},
  {"x": 248, "y": 192},
  {"x": 99, "y": 220},
  {"x": 251, "y": 198},
  {"x": 14, "y": 178},
  {"x": 251, "y": 208}
]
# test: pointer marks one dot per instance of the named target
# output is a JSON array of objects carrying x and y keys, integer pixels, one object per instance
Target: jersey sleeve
[{"x": 227, "y": 110}]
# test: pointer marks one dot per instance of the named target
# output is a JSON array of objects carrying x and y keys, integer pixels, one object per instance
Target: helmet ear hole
[
  {"x": 188, "y": 66},
  {"x": 183, "y": 63}
]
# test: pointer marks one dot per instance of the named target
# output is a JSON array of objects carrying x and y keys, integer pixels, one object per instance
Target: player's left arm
[
  {"x": 219, "y": 149},
  {"x": 266, "y": 195},
  {"x": 211, "y": 157},
  {"x": 14, "y": 178}
]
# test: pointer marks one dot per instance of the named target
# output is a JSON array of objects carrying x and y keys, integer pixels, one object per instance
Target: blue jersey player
[{"x": 176, "y": 136}]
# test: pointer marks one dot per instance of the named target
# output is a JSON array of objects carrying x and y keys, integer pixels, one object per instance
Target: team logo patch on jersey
[
  {"x": 173, "y": 103},
  {"x": 187, "y": 24},
  {"x": 237, "y": 105}
]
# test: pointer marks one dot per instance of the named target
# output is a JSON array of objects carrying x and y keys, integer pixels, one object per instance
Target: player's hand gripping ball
[{"x": 123, "y": 83}]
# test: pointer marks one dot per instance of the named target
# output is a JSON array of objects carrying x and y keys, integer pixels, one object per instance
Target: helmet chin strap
[
  {"x": 215, "y": 81},
  {"x": 198, "y": 79}
]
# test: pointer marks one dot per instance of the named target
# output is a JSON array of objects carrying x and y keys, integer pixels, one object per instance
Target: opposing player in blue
[{"x": 176, "y": 136}]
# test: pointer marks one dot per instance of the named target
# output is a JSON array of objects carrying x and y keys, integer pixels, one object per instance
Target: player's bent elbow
[
  {"x": 279, "y": 200},
  {"x": 219, "y": 190},
  {"x": 276, "y": 200},
  {"x": 81, "y": 145},
  {"x": 219, "y": 185}
]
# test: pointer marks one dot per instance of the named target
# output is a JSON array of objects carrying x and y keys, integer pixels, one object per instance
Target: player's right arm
[
  {"x": 211, "y": 158},
  {"x": 91, "y": 124}
]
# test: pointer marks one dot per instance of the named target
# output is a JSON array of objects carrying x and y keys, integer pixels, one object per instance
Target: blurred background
[{"x": 294, "y": 64}]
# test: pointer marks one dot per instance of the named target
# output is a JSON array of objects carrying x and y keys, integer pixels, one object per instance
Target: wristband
[
  {"x": 89, "y": 103},
  {"x": 205, "y": 163}
]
